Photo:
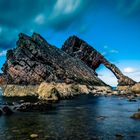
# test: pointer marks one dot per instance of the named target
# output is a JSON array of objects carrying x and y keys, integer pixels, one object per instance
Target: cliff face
[
  {"x": 34, "y": 61},
  {"x": 80, "y": 49}
]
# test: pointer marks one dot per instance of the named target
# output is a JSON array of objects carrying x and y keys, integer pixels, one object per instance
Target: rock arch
[{"x": 79, "y": 48}]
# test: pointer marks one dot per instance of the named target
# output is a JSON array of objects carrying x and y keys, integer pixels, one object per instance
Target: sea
[{"x": 84, "y": 117}]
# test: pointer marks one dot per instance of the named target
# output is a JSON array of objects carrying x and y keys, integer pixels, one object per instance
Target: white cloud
[
  {"x": 108, "y": 50},
  {"x": 3, "y": 53},
  {"x": 129, "y": 70},
  {"x": 40, "y": 19},
  {"x": 114, "y": 51},
  {"x": 66, "y": 7},
  {"x": 105, "y": 47},
  {"x": 44, "y": 15}
]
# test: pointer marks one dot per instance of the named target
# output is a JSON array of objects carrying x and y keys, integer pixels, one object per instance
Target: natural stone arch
[{"x": 79, "y": 48}]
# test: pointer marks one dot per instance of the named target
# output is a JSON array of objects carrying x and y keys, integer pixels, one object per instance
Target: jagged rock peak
[{"x": 35, "y": 37}]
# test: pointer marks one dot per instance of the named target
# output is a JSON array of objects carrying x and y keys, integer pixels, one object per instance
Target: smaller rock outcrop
[
  {"x": 136, "y": 88},
  {"x": 2, "y": 79},
  {"x": 7, "y": 111},
  {"x": 133, "y": 89},
  {"x": 56, "y": 91},
  {"x": 136, "y": 115},
  {"x": 37, "y": 106}
]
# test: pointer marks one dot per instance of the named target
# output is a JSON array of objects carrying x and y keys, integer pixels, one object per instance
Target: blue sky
[{"x": 112, "y": 27}]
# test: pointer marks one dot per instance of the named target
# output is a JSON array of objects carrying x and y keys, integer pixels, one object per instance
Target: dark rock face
[
  {"x": 34, "y": 60},
  {"x": 79, "y": 48},
  {"x": 7, "y": 110},
  {"x": 2, "y": 79},
  {"x": 31, "y": 107}
]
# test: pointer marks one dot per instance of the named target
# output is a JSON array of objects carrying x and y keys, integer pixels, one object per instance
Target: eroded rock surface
[
  {"x": 136, "y": 88},
  {"x": 34, "y": 61},
  {"x": 20, "y": 91},
  {"x": 79, "y": 48}
]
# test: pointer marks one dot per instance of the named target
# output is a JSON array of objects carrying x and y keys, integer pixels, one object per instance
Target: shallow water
[{"x": 83, "y": 118}]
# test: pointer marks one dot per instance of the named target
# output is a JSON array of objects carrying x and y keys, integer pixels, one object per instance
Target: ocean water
[{"x": 83, "y": 118}]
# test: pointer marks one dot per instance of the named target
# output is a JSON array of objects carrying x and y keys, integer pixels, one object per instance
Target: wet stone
[
  {"x": 34, "y": 135},
  {"x": 1, "y": 112},
  {"x": 7, "y": 110},
  {"x": 136, "y": 115},
  {"x": 119, "y": 135}
]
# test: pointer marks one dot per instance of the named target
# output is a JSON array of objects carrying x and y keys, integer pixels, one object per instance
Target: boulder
[
  {"x": 136, "y": 115},
  {"x": 123, "y": 88},
  {"x": 39, "y": 106},
  {"x": 2, "y": 79},
  {"x": 136, "y": 88},
  {"x": 1, "y": 112},
  {"x": 34, "y": 135},
  {"x": 55, "y": 91},
  {"x": 7, "y": 111}
]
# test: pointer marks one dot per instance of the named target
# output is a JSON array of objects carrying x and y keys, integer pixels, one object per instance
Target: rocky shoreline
[
  {"x": 9, "y": 108},
  {"x": 49, "y": 93},
  {"x": 55, "y": 91}
]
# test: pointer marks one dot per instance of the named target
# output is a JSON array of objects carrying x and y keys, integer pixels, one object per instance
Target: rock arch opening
[{"x": 106, "y": 75}]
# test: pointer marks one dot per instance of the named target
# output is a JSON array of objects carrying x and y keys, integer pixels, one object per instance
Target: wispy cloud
[
  {"x": 105, "y": 46},
  {"x": 114, "y": 51},
  {"x": 130, "y": 70},
  {"x": 3, "y": 53},
  {"x": 109, "y": 50},
  {"x": 40, "y": 19}
]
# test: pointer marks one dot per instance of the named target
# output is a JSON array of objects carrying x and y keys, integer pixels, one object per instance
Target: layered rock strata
[
  {"x": 34, "y": 61},
  {"x": 82, "y": 50}
]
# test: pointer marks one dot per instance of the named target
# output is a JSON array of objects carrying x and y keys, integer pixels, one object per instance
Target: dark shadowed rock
[
  {"x": 79, "y": 48},
  {"x": 136, "y": 115},
  {"x": 38, "y": 106},
  {"x": 34, "y": 61},
  {"x": 1, "y": 112},
  {"x": 7, "y": 110},
  {"x": 2, "y": 79}
]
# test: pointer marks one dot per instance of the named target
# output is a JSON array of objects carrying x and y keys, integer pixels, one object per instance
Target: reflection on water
[{"x": 82, "y": 118}]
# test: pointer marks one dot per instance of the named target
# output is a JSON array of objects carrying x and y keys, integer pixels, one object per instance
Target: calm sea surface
[{"x": 83, "y": 118}]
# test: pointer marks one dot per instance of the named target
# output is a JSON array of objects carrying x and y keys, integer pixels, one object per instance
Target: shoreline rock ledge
[{"x": 35, "y": 67}]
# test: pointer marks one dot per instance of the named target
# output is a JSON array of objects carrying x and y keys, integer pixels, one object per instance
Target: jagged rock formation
[
  {"x": 34, "y": 61},
  {"x": 79, "y": 48},
  {"x": 2, "y": 79}
]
